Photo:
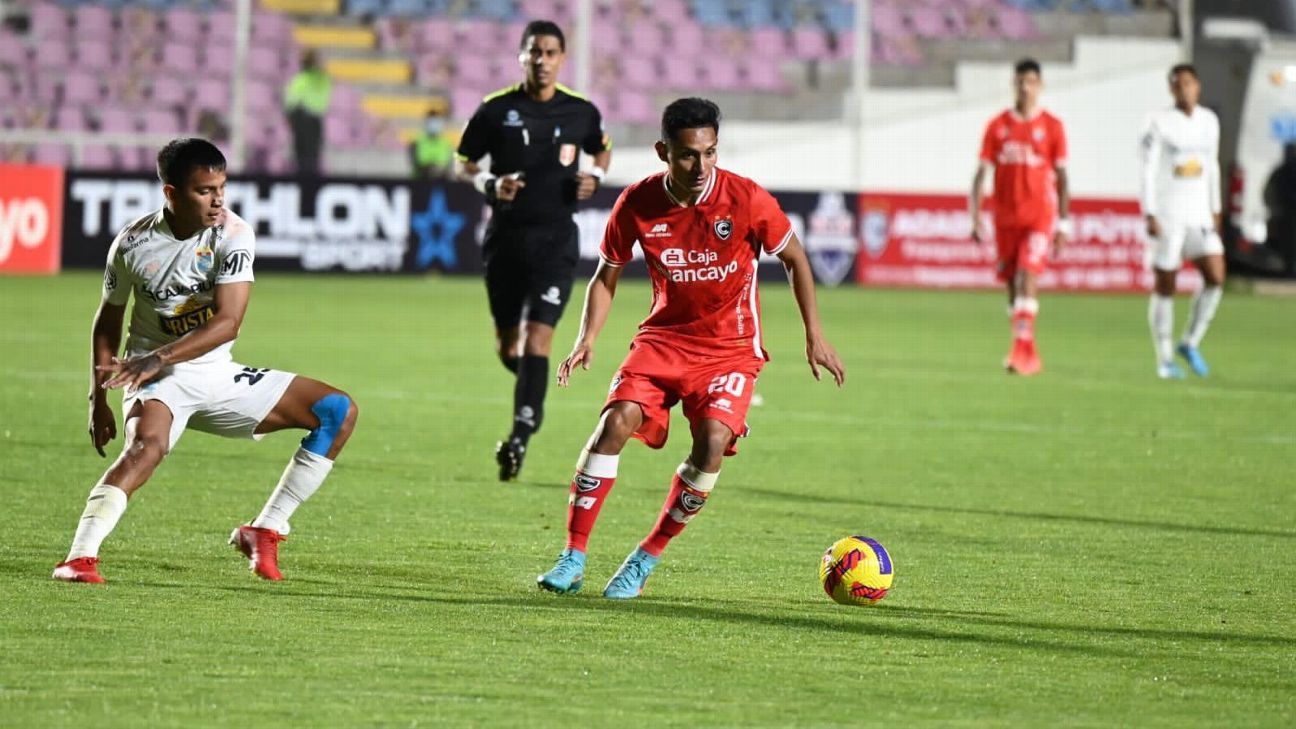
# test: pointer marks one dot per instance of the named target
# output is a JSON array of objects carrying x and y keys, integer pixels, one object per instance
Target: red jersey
[
  {"x": 701, "y": 258},
  {"x": 1025, "y": 152}
]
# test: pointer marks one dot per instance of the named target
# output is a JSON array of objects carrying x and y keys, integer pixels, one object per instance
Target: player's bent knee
[
  {"x": 337, "y": 414},
  {"x": 146, "y": 451}
]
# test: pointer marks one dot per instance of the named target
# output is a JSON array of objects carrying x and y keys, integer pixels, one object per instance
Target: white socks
[
  {"x": 104, "y": 508},
  {"x": 1161, "y": 322},
  {"x": 1204, "y": 304},
  {"x": 303, "y": 476},
  {"x": 598, "y": 465}
]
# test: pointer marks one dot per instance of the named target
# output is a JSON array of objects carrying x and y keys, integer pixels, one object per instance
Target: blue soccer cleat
[
  {"x": 567, "y": 575},
  {"x": 628, "y": 582},
  {"x": 1170, "y": 371},
  {"x": 1193, "y": 357}
]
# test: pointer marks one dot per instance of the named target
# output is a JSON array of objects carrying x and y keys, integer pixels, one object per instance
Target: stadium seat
[
  {"x": 166, "y": 90},
  {"x": 80, "y": 87}
]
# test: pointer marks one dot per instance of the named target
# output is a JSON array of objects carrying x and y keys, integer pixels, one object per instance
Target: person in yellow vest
[
  {"x": 306, "y": 101},
  {"x": 432, "y": 151}
]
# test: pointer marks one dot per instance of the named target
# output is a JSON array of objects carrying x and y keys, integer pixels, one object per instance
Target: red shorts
[
  {"x": 656, "y": 376},
  {"x": 1021, "y": 247}
]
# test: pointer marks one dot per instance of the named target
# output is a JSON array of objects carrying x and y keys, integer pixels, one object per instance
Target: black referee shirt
[{"x": 540, "y": 138}]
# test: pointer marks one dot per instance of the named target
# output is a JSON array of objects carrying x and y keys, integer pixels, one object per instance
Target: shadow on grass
[
  {"x": 1033, "y": 516},
  {"x": 877, "y": 620}
]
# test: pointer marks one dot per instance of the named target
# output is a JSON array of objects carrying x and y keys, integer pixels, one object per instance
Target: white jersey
[
  {"x": 175, "y": 280},
  {"x": 1181, "y": 175}
]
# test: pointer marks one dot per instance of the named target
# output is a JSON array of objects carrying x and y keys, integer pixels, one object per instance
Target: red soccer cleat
[
  {"x": 1024, "y": 359},
  {"x": 261, "y": 547},
  {"x": 81, "y": 569}
]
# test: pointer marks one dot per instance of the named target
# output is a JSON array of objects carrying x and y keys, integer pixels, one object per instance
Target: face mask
[{"x": 435, "y": 125}]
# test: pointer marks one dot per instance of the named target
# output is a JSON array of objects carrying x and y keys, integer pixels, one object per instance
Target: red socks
[
  {"x": 595, "y": 475},
  {"x": 688, "y": 494}
]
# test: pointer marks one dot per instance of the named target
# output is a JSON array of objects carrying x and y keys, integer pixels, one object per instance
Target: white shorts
[
  {"x": 222, "y": 398},
  {"x": 1179, "y": 242}
]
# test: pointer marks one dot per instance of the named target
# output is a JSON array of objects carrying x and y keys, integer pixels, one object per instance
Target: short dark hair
[
  {"x": 543, "y": 27},
  {"x": 179, "y": 157},
  {"x": 1179, "y": 68},
  {"x": 1027, "y": 65},
  {"x": 689, "y": 113}
]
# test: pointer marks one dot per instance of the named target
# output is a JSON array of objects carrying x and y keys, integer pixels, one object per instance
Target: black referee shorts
[{"x": 529, "y": 271}]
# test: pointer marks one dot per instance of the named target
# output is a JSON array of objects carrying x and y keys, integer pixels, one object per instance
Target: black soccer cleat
[{"x": 509, "y": 454}]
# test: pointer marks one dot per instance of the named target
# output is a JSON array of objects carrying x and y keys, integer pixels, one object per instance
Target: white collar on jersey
[{"x": 706, "y": 189}]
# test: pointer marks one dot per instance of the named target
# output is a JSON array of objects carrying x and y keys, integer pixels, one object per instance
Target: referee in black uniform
[{"x": 534, "y": 133}]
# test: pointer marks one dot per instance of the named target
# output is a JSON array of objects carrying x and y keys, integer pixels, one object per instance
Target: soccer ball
[{"x": 856, "y": 571}]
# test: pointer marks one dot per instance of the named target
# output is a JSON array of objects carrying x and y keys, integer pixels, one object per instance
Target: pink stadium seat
[
  {"x": 80, "y": 87},
  {"x": 606, "y": 36},
  {"x": 266, "y": 63},
  {"x": 13, "y": 49},
  {"x": 641, "y": 73},
  {"x": 93, "y": 55},
  {"x": 51, "y": 154},
  {"x": 464, "y": 101},
  {"x": 261, "y": 97},
  {"x": 338, "y": 131},
  {"x": 722, "y": 73},
  {"x": 96, "y": 157},
  {"x": 687, "y": 39},
  {"x": 70, "y": 119},
  {"x": 1016, "y": 24},
  {"x": 473, "y": 70},
  {"x": 670, "y": 12},
  {"x": 633, "y": 107},
  {"x": 511, "y": 34},
  {"x": 221, "y": 29},
  {"x": 52, "y": 54},
  {"x": 767, "y": 40},
  {"x": 212, "y": 94},
  {"x": 888, "y": 20},
  {"x": 180, "y": 58},
  {"x": 49, "y": 21},
  {"x": 929, "y": 22},
  {"x": 344, "y": 96},
  {"x": 183, "y": 24},
  {"x": 130, "y": 159},
  {"x": 272, "y": 28},
  {"x": 680, "y": 74},
  {"x": 845, "y": 46},
  {"x": 160, "y": 122},
  {"x": 115, "y": 120},
  {"x": 168, "y": 91},
  {"x": 809, "y": 44},
  {"x": 435, "y": 34},
  {"x": 477, "y": 35},
  {"x": 761, "y": 73},
  {"x": 647, "y": 38},
  {"x": 46, "y": 86},
  {"x": 92, "y": 20}
]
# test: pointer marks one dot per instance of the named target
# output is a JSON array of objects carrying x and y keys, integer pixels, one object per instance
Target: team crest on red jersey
[
  {"x": 566, "y": 155},
  {"x": 723, "y": 228}
]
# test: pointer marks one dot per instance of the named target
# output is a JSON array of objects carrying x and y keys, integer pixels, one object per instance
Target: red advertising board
[
  {"x": 31, "y": 218},
  {"x": 923, "y": 241}
]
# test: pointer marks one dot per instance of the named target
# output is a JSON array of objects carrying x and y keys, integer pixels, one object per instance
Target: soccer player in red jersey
[
  {"x": 1027, "y": 148},
  {"x": 702, "y": 230}
]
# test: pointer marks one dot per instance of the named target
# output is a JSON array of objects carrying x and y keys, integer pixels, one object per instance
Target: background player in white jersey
[
  {"x": 1181, "y": 205},
  {"x": 190, "y": 268}
]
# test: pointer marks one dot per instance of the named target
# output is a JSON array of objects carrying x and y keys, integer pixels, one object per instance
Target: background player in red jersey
[
  {"x": 1027, "y": 148},
  {"x": 702, "y": 230}
]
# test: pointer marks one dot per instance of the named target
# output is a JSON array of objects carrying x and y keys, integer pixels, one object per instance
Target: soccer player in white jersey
[
  {"x": 1181, "y": 206},
  {"x": 189, "y": 266}
]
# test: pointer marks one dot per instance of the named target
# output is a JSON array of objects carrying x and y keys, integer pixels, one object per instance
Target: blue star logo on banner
[{"x": 436, "y": 228}]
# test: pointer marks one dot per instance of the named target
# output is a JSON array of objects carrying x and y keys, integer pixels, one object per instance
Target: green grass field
[{"x": 1092, "y": 547}]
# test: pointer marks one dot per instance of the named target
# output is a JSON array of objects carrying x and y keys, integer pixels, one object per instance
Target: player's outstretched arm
[
  {"x": 819, "y": 353},
  {"x": 598, "y": 302},
  {"x": 1062, "y": 235},
  {"x": 230, "y": 305},
  {"x": 105, "y": 343}
]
